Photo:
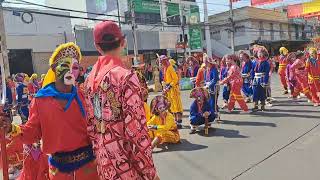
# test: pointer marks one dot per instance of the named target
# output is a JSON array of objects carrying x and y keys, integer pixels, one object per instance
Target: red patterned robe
[{"x": 117, "y": 122}]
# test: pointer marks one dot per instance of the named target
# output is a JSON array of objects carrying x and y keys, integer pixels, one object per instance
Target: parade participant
[
  {"x": 235, "y": 80},
  {"x": 269, "y": 98},
  {"x": 224, "y": 68},
  {"x": 144, "y": 93},
  {"x": 116, "y": 117},
  {"x": 156, "y": 80},
  {"x": 162, "y": 127},
  {"x": 22, "y": 97},
  {"x": 298, "y": 68},
  {"x": 282, "y": 68},
  {"x": 171, "y": 89},
  {"x": 200, "y": 109},
  {"x": 313, "y": 70},
  {"x": 33, "y": 85},
  {"x": 200, "y": 76},
  {"x": 246, "y": 75},
  {"x": 59, "y": 104},
  {"x": 41, "y": 81},
  {"x": 293, "y": 86},
  {"x": 261, "y": 79},
  {"x": 193, "y": 66},
  {"x": 211, "y": 78}
]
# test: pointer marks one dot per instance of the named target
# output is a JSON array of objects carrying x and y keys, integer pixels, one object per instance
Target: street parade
[{"x": 115, "y": 117}]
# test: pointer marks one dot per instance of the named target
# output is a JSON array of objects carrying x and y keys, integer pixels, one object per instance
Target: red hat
[{"x": 107, "y": 27}]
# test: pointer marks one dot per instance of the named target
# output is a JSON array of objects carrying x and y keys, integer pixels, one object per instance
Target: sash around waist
[{"x": 70, "y": 161}]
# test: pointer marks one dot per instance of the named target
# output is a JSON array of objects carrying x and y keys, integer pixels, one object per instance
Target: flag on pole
[{"x": 263, "y": 2}]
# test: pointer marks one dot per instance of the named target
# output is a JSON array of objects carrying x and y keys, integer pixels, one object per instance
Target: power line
[{"x": 70, "y": 10}]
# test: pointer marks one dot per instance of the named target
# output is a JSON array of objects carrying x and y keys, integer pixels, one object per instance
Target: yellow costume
[
  {"x": 171, "y": 78},
  {"x": 166, "y": 129},
  {"x": 156, "y": 79},
  {"x": 147, "y": 110}
]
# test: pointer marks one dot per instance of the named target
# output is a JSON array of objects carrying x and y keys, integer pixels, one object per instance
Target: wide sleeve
[
  {"x": 200, "y": 77},
  {"x": 31, "y": 131},
  {"x": 194, "y": 113},
  {"x": 173, "y": 75},
  {"x": 294, "y": 66},
  {"x": 19, "y": 93},
  {"x": 135, "y": 127},
  {"x": 169, "y": 123},
  {"x": 266, "y": 71},
  {"x": 214, "y": 78},
  {"x": 231, "y": 74}
]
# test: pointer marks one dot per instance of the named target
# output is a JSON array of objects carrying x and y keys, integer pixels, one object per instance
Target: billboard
[{"x": 100, "y": 6}]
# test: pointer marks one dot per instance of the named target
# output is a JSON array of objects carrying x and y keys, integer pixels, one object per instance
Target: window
[
  {"x": 240, "y": 31},
  {"x": 281, "y": 31},
  {"x": 215, "y": 35},
  {"x": 296, "y": 27},
  {"x": 261, "y": 30},
  {"x": 271, "y": 31}
]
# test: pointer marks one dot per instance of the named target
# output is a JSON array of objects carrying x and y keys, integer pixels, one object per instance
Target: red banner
[
  {"x": 262, "y": 2},
  {"x": 295, "y": 11}
]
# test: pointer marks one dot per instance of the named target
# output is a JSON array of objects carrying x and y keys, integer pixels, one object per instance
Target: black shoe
[
  {"x": 255, "y": 109},
  {"x": 285, "y": 92},
  {"x": 179, "y": 126},
  {"x": 263, "y": 108},
  {"x": 192, "y": 131}
]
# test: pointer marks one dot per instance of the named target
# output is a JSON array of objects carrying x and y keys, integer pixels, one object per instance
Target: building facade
[
  {"x": 158, "y": 22},
  {"x": 263, "y": 26},
  {"x": 32, "y": 37}
]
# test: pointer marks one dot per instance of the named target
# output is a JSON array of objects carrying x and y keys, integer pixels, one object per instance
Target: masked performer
[{"x": 59, "y": 104}]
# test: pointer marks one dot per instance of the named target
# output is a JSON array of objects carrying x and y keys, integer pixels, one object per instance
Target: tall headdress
[{"x": 67, "y": 50}]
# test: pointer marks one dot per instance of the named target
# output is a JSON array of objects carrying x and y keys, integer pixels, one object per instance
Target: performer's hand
[
  {"x": 156, "y": 178},
  {"x": 221, "y": 82},
  {"x": 5, "y": 123}
]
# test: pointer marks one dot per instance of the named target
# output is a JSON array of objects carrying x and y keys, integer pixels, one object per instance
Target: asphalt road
[{"x": 280, "y": 144}]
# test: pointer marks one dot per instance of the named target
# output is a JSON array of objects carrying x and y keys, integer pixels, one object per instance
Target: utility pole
[
  {"x": 163, "y": 13},
  {"x": 207, "y": 28},
  {"x": 4, "y": 63},
  {"x": 232, "y": 26},
  {"x": 134, "y": 33},
  {"x": 4, "y": 50},
  {"x": 182, "y": 14},
  {"x": 119, "y": 19}
]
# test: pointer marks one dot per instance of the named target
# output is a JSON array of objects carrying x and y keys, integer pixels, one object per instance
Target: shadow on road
[
  {"x": 295, "y": 110},
  {"x": 184, "y": 145},
  {"x": 227, "y": 133},
  {"x": 248, "y": 123},
  {"x": 288, "y": 115}
]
